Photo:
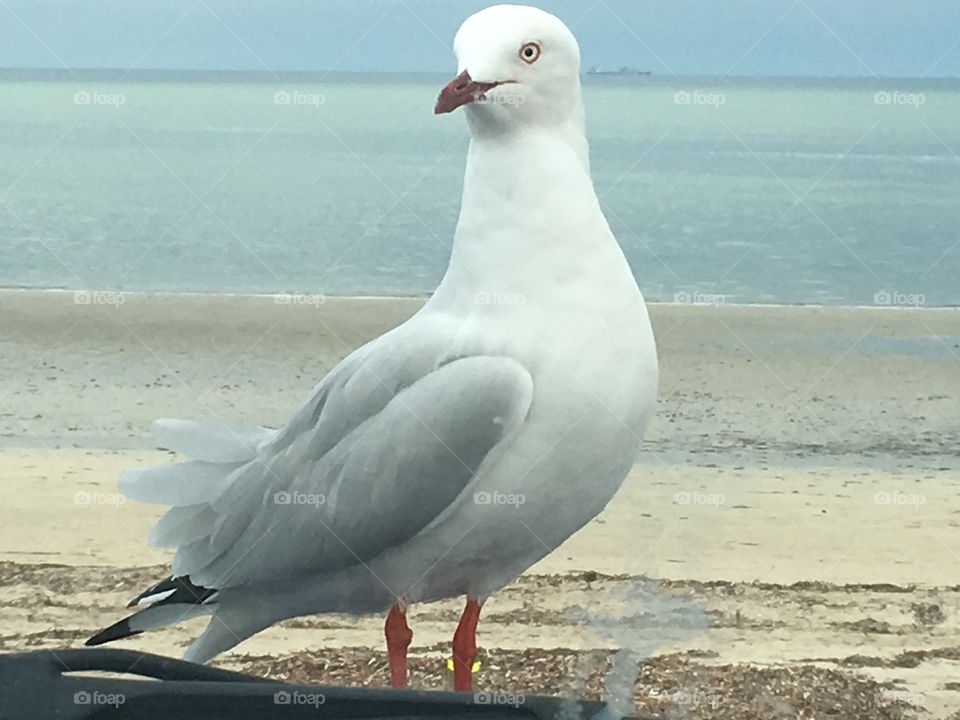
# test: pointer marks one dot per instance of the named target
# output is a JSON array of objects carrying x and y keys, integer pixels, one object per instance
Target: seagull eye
[{"x": 529, "y": 53}]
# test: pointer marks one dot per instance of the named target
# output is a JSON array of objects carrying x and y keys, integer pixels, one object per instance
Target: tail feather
[
  {"x": 182, "y": 526},
  {"x": 176, "y": 484},
  {"x": 192, "y": 488},
  {"x": 208, "y": 441}
]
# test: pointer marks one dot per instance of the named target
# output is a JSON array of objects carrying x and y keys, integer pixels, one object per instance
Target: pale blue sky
[{"x": 712, "y": 37}]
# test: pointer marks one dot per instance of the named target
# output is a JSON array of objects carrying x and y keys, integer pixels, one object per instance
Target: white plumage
[{"x": 530, "y": 375}]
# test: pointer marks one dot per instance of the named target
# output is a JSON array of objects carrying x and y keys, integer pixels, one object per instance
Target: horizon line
[{"x": 603, "y": 73}]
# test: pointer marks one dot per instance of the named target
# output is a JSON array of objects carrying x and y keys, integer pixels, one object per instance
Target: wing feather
[
  {"x": 383, "y": 483},
  {"x": 382, "y": 449}
]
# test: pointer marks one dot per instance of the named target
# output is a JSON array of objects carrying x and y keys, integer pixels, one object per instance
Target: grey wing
[{"x": 313, "y": 502}]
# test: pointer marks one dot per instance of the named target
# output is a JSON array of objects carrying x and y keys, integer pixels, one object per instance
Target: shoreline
[{"x": 424, "y": 296}]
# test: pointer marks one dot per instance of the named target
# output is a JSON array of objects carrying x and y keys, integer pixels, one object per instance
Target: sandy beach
[{"x": 792, "y": 522}]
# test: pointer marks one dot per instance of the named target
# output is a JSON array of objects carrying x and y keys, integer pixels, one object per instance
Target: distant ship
[{"x": 622, "y": 71}]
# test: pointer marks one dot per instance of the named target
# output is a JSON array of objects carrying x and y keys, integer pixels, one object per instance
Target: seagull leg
[
  {"x": 399, "y": 636},
  {"x": 465, "y": 646}
]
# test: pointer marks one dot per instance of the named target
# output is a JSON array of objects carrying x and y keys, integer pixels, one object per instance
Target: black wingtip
[
  {"x": 174, "y": 590},
  {"x": 116, "y": 631},
  {"x": 178, "y": 590}
]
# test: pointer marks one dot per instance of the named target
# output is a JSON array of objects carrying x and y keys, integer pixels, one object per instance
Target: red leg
[
  {"x": 465, "y": 646},
  {"x": 398, "y": 640}
]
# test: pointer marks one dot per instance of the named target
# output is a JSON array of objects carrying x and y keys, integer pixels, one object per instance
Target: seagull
[{"x": 449, "y": 455}]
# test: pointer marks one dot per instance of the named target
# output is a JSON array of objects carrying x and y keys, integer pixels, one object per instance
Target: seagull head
[{"x": 517, "y": 65}]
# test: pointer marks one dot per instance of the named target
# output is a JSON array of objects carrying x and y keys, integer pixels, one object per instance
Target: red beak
[{"x": 462, "y": 90}]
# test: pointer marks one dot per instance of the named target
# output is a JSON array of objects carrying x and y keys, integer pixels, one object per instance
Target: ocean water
[{"x": 840, "y": 192}]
